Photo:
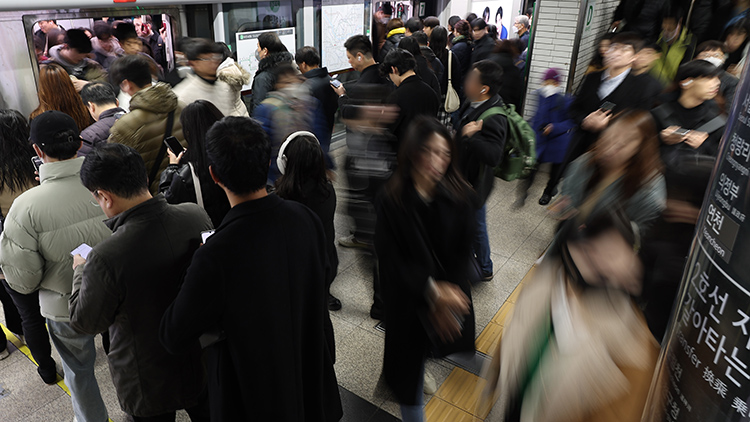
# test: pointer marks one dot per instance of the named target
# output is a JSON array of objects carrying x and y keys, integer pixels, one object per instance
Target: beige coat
[
  {"x": 143, "y": 128},
  {"x": 597, "y": 370}
]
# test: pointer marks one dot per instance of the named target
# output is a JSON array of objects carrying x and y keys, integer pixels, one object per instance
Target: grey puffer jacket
[
  {"x": 264, "y": 80},
  {"x": 43, "y": 226}
]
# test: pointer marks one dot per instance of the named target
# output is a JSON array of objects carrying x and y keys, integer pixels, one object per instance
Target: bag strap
[
  {"x": 197, "y": 186},
  {"x": 162, "y": 149},
  {"x": 450, "y": 66},
  {"x": 491, "y": 112},
  {"x": 712, "y": 125}
]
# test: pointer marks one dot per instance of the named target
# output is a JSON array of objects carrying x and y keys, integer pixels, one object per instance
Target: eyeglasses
[{"x": 215, "y": 58}]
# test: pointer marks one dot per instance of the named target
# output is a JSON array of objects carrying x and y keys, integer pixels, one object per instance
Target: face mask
[
  {"x": 514, "y": 29},
  {"x": 716, "y": 61},
  {"x": 550, "y": 90},
  {"x": 257, "y": 55},
  {"x": 384, "y": 21}
]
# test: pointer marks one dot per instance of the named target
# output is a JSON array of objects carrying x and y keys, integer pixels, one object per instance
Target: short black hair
[
  {"x": 709, "y": 46},
  {"x": 115, "y": 168},
  {"x": 431, "y": 22},
  {"x": 653, "y": 46},
  {"x": 490, "y": 74},
  {"x": 135, "y": 68},
  {"x": 697, "y": 69},
  {"x": 359, "y": 44},
  {"x": 99, "y": 93},
  {"x": 124, "y": 31},
  {"x": 62, "y": 146},
  {"x": 414, "y": 24},
  {"x": 102, "y": 30},
  {"x": 282, "y": 70},
  {"x": 308, "y": 55},
  {"x": 421, "y": 38},
  {"x": 452, "y": 20},
  {"x": 470, "y": 17},
  {"x": 478, "y": 23},
  {"x": 399, "y": 58},
  {"x": 387, "y": 9},
  {"x": 629, "y": 38},
  {"x": 271, "y": 41},
  {"x": 239, "y": 154},
  {"x": 199, "y": 47},
  {"x": 78, "y": 40}
]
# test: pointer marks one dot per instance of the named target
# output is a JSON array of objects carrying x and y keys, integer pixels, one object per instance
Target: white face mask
[
  {"x": 550, "y": 90},
  {"x": 716, "y": 61}
]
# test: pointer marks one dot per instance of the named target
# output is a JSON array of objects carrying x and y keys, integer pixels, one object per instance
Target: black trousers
[
  {"x": 34, "y": 328},
  {"x": 198, "y": 413},
  {"x": 581, "y": 142},
  {"x": 12, "y": 318}
]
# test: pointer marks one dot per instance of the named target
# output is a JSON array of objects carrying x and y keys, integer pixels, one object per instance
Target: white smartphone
[{"x": 82, "y": 250}]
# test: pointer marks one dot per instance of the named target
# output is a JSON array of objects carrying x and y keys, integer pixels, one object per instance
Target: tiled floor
[{"x": 517, "y": 238}]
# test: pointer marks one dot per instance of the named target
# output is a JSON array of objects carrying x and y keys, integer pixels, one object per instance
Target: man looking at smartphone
[
  {"x": 601, "y": 96},
  {"x": 129, "y": 280},
  {"x": 43, "y": 226}
]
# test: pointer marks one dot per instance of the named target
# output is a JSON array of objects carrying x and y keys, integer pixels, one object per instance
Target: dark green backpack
[{"x": 519, "y": 158}]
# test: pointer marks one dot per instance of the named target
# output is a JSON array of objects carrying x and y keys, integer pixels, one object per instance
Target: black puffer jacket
[
  {"x": 99, "y": 131},
  {"x": 264, "y": 80},
  {"x": 391, "y": 43},
  {"x": 177, "y": 186}
]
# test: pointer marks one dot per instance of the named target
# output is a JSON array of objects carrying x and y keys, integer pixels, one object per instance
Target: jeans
[
  {"x": 78, "y": 355},
  {"x": 415, "y": 413},
  {"x": 34, "y": 330},
  {"x": 481, "y": 243}
]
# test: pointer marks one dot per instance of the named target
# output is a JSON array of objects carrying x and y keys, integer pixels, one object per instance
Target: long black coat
[
  {"x": 405, "y": 239},
  {"x": 128, "y": 282},
  {"x": 260, "y": 280},
  {"x": 481, "y": 153},
  {"x": 414, "y": 98},
  {"x": 319, "y": 83}
]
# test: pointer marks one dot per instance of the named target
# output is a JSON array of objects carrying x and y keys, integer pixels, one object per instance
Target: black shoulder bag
[{"x": 162, "y": 150}]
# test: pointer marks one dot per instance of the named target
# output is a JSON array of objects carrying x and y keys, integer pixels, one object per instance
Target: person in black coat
[
  {"x": 512, "y": 89},
  {"x": 304, "y": 180},
  {"x": 438, "y": 42},
  {"x": 462, "y": 45},
  {"x": 481, "y": 142},
  {"x": 395, "y": 32},
  {"x": 484, "y": 45},
  {"x": 128, "y": 280},
  {"x": 422, "y": 240},
  {"x": 319, "y": 83},
  {"x": 101, "y": 100},
  {"x": 257, "y": 288},
  {"x": 601, "y": 96},
  {"x": 177, "y": 181},
  {"x": 412, "y": 96},
  {"x": 272, "y": 53},
  {"x": 424, "y": 69}
]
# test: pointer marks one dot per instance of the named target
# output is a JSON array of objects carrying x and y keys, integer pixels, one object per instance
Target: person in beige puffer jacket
[{"x": 144, "y": 127}]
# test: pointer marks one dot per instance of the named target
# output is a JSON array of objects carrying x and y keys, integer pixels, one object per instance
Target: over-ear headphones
[
  {"x": 685, "y": 84},
  {"x": 281, "y": 159}
]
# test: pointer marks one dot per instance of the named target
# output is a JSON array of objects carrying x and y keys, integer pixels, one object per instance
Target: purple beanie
[{"x": 552, "y": 73}]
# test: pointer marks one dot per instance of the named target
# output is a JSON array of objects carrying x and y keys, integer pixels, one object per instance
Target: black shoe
[
  {"x": 376, "y": 312},
  {"x": 487, "y": 276},
  {"x": 544, "y": 200},
  {"x": 49, "y": 376},
  {"x": 333, "y": 303}
]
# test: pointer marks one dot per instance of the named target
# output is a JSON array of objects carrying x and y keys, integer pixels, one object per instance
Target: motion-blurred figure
[
  {"x": 423, "y": 242},
  {"x": 106, "y": 47},
  {"x": 576, "y": 347},
  {"x": 73, "y": 55}
]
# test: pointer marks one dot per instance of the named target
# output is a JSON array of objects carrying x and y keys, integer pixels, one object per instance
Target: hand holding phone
[
  {"x": 37, "y": 162},
  {"x": 83, "y": 250},
  {"x": 681, "y": 131},
  {"x": 174, "y": 145},
  {"x": 607, "y": 106}
]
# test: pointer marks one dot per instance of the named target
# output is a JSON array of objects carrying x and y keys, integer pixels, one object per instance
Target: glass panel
[{"x": 243, "y": 17}]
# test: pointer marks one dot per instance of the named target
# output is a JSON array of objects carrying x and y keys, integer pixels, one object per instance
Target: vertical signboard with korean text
[{"x": 704, "y": 370}]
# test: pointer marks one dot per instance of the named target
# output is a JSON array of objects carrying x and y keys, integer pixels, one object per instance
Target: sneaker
[
  {"x": 353, "y": 242},
  {"x": 48, "y": 376},
  {"x": 487, "y": 276},
  {"x": 5, "y": 353},
  {"x": 430, "y": 384},
  {"x": 333, "y": 303}
]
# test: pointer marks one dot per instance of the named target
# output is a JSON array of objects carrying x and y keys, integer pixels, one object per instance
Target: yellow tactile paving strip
[
  {"x": 456, "y": 399},
  {"x": 25, "y": 350}
]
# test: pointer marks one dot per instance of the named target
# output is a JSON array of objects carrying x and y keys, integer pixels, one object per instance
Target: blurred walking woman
[{"x": 423, "y": 243}]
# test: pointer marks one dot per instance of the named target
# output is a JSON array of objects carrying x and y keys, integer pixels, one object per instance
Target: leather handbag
[{"x": 452, "y": 102}]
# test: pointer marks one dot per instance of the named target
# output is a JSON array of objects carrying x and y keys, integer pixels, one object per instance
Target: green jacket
[
  {"x": 672, "y": 56},
  {"x": 43, "y": 226}
]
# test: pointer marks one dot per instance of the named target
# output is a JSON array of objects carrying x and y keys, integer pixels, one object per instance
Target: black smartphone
[
  {"x": 174, "y": 145},
  {"x": 607, "y": 106},
  {"x": 336, "y": 83},
  {"x": 37, "y": 162},
  {"x": 682, "y": 131}
]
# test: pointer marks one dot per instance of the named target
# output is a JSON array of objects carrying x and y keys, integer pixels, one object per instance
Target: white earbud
[
  {"x": 281, "y": 159},
  {"x": 359, "y": 58},
  {"x": 483, "y": 90}
]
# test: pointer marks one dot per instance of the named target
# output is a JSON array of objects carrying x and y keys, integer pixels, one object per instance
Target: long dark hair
[
  {"x": 56, "y": 92},
  {"x": 16, "y": 171},
  {"x": 305, "y": 167},
  {"x": 438, "y": 43},
  {"x": 420, "y": 131},
  {"x": 196, "y": 118},
  {"x": 646, "y": 163}
]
